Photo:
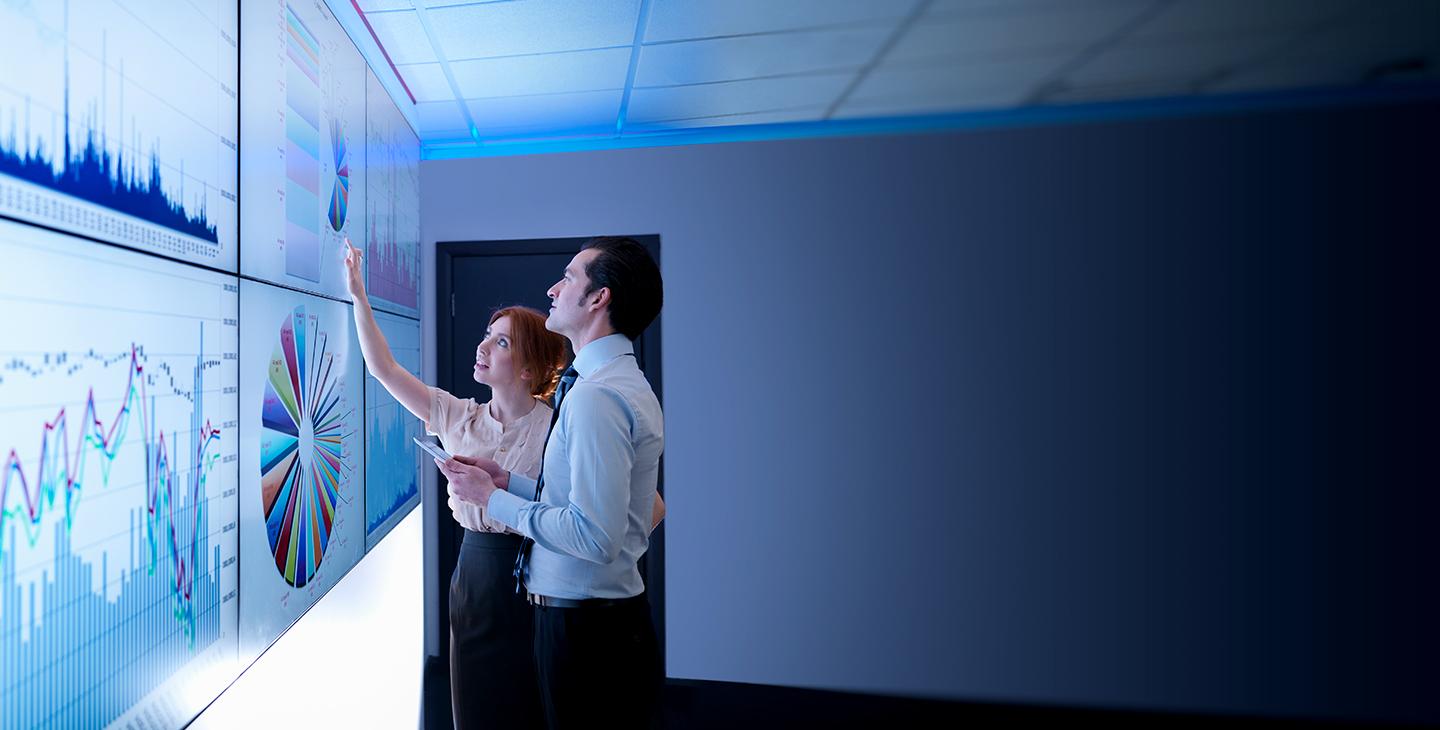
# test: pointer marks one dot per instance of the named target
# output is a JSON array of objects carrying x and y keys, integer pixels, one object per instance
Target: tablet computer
[{"x": 432, "y": 449}]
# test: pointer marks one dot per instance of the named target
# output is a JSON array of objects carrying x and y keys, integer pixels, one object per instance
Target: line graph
[
  {"x": 117, "y": 499},
  {"x": 91, "y": 141},
  {"x": 60, "y": 476}
]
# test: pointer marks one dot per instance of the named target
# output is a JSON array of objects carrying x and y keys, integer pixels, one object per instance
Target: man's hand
[
  {"x": 469, "y": 481},
  {"x": 491, "y": 467}
]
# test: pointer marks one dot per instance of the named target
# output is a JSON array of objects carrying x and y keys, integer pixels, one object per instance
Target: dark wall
[{"x": 1135, "y": 414}]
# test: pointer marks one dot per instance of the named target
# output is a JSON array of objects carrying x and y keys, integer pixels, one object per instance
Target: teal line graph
[{"x": 165, "y": 607}]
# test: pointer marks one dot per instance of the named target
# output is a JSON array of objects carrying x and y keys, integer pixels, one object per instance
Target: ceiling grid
[{"x": 494, "y": 72}]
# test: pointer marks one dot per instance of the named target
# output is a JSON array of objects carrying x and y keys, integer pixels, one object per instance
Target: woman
[{"x": 492, "y": 675}]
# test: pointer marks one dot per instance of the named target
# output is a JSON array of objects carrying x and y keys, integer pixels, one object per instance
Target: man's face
[{"x": 568, "y": 314}]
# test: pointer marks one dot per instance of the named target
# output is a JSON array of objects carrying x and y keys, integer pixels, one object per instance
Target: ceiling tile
[
  {"x": 1392, "y": 44},
  {"x": 957, "y": 99},
  {"x": 381, "y": 6},
  {"x": 534, "y": 26},
  {"x": 958, "y": 81},
  {"x": 550, "y": 115},
  {"x": 453, "y": 3},
  {"x": 1227, "y": 17},
  {"x": 730, "y": 59},
  {"x": 1400, "y": 13},
  {"x": 1010, "y": 34},
  {"x": 546, "y": 74},
  {"x": 803, "y": 114},
  {"x": 1379, "y": 33},
  {"x": 386, "y": 6},
  {"x": 940, "y": 8},
  {"x": 679, "y": 20},
  {"x": 735, "y": 97},
  {"x": 1274, "y": 76},
  {"x": 542, "y": 68},
  {"x": 426, "y": 81},
  {"x": 1173, "y": 64},
  {"x": 439, "y": 116},
  {"x": 403, "y": 37}
]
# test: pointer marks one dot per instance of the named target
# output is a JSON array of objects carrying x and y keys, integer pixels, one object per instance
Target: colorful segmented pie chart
[
  {"x": 340, "y": 194},
  {"x": 301, "y": 447}
]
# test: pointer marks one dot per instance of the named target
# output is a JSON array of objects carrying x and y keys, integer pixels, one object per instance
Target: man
[{"x": 595, "y": 648}]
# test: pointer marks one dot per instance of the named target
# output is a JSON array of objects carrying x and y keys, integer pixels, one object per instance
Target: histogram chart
[
  {"x": 302, "y": 149},
  {"x": 392, "y": 268},
  {"x": 303, "y": 173},
  {"x": 118, "y": 504},
  {"x": 392, "y": 462},
  {"x": 123, "y": 124},
  {"x": 301, "y": 457}
]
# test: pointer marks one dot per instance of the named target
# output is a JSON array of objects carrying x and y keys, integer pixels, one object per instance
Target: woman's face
[{"x": 495, "y": 363}]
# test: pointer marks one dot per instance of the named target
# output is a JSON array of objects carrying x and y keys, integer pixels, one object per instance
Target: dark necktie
[{"x": 566, "y": 380}]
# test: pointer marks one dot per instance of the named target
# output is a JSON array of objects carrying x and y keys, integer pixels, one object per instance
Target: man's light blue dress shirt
[{"x": 592, "y": 522}]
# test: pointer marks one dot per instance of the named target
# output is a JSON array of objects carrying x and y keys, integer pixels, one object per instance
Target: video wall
[{"x": 194, "y": 454}]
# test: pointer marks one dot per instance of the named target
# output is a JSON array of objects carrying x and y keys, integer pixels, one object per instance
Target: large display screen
[
  {"x": 392, "y": 462},
  {"x": 123, "y": 124},
  {"x": 303, "y": 133},
  {"x": 118, "y": 501},
  {"x": 393, "y": 175},
  {"x": 184, "y": 416},
  {"x": 302, "y": 471}
]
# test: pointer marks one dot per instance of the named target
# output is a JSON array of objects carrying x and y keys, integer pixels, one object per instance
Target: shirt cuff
[
  {"x": 504, "y": 508},
  {"x": 521, "y": 486}
]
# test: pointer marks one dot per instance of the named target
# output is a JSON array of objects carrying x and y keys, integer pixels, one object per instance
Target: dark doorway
[{"x": 473, "y": 279}]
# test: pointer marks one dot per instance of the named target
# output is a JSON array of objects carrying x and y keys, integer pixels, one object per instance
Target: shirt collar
[
  {"x": 488, "y": 419},
  {"x": 597, "y": 353}
]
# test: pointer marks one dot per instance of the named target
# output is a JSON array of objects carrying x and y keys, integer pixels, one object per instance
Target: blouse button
[{"x": 502, "y": 449}]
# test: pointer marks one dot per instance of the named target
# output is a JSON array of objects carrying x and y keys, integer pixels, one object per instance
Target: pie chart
[
  {"x": 340, "y": 193},
  {"x": 302, "y": 447}
]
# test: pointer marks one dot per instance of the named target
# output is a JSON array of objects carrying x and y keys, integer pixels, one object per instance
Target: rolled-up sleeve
[
  {"x": 600, "y": 454},
  {"x": 445, "y": 409}
]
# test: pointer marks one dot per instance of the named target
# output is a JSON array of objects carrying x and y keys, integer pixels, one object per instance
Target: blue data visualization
[
  {"x": 393, "y": 463},
  {"x": 123, "y": 125},
  {"x": 302, "y": 468},
  {"x": 392, "y": 263},
  {"x": 303, "y": 174},
  {"x": 118, "y": 501}
]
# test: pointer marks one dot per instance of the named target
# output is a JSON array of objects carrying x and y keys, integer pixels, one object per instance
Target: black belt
[{"x": 549, "y": 602}]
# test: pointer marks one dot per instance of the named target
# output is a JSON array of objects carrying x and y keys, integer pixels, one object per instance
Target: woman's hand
[
  {"x": 354, "y": 274},
  {"x": 470, "y": 516}
]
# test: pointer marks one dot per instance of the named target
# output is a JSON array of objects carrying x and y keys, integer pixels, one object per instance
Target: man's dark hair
[{"x": 636, "y": 291}]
